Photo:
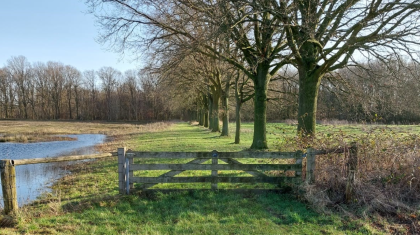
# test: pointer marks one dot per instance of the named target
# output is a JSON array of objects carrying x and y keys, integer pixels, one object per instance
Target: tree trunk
[
  {"x": 25, "y": 109},
  {"x": 69, "y": 105},
  {"x": 225, "y": 128},
  {"x": 6, "y": 106},
  {"x": 260, "y": 106},
  {"x": 77, "y": 103},
  {"x": 206, "y": 110},
  {"x": 206, "y": 118},
  {"x": 215, "y": 112},
  {"x": 308, "y": 96},
  {"x": 238, "y": 99},
  {"x": 210, "y": 103},
  {"x": 238, "y": 122},
  {"x": 201, "y": 117},
  {"x": 225, "y": 104}
]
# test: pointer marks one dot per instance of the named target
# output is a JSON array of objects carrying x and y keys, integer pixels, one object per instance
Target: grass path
[{"x": 87, "y": 201}]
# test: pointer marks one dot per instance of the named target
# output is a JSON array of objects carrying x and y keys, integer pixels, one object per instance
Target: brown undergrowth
[
  {"x": 7, "y": 221},
  {"x": 38, "y": 131},
  {"x": 33, "y": 138},
  {"x": 387, "y": 183}
]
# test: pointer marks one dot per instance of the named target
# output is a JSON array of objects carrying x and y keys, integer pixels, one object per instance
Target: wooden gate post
[
  {"x": 310, "y": 166},
  {"x": 299, "y": 161},
  {"x": 214, "y": 162},
  {"x": 121, "y": 170},
  {"x": 352, "y": 169},
  {"x": 8, "y": 183},
  {"x": 131, "y": 173}
]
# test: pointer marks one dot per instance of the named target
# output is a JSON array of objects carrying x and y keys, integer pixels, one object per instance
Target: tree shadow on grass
[{"x": 177, "y": 212}]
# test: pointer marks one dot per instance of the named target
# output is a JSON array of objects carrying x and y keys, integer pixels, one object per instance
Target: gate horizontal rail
[
  {"x": 278, "y": 155},
  {"x": 210, "y": 179},
  {"x": 241, "y": 167}
]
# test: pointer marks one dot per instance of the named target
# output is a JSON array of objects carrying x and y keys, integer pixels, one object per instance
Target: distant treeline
[
  {"x": 386, "y": 93},
  {"x": 55, "y": 91}
]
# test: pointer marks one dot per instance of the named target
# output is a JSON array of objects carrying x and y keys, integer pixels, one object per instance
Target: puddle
[{"x": 33, "y": 180}]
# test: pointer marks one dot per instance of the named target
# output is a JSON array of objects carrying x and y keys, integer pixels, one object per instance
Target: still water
[{"x": 33, "y": 180}]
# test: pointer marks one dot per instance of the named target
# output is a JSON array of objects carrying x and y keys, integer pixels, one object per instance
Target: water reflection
[{"x": 33, "y": 180}]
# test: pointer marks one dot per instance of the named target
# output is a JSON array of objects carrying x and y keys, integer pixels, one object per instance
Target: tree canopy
[{"x": 259, "y": 38}]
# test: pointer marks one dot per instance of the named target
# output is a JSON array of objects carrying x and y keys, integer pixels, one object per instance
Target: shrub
[{"x": 388, "y": 175}]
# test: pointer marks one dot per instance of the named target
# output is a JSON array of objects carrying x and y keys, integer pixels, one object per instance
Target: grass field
[{"x": 87, "y": 201}]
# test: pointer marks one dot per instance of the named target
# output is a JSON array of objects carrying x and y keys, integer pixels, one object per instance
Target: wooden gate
[{"x": 126, "y": 167}]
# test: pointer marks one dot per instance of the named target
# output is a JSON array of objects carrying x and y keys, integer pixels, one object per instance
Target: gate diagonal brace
[
  {"x": 200, "y": 161},
  {"x": 174, "y": 173}
]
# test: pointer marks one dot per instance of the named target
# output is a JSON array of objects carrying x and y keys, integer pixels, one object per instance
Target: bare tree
[
  {"x": 131, "y": 81},
  {"x": 90, "y": 84},
  {"x": 40, "y": 76},
  {"x": 109, "y": 77},
  {"x": 20, "y": 70},
  {"x": 6, "y": 93},
  {"x": 243, "y": 93},
  {"x": 55, "y": 78},
  {"x": 71, "y": 83}
]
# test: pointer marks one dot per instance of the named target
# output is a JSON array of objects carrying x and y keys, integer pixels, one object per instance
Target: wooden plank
[
  {"x": 253, "y": 173},
  {"x": 132, "y": 154},
  {"x": 60, "y": 159},
  {"x": 247, "y": 154},
  {"x": 310, "y": 166},
  {"x": 8, "y": 184},
  {"x": 174, "y": 173},
  {"x": 209, "y": 179},
  {"x": 214, "y": 162},
  {"x": 299, "y": 161},
  {"x": 352, "y": 170},
  {"x": 257, "y": 191},
  {"x": 328, "y": 151},
  {"x": 121, "y": 170},
  {"x": 241, "y": 167},
  {"x": 131, "y": 173}
]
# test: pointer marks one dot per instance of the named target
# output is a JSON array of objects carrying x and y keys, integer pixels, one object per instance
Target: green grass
[
  {"x": 87, "y": 202},
  {"x": 184, "y": 137},
  {"x": 194, "y": 213}
]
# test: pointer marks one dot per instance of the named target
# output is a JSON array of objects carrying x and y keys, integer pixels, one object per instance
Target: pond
[{"x": 33, "y": 180}]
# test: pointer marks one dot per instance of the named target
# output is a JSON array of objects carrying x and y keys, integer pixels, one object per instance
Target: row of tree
[
  {"x": 55, "y": 91},
  {"x": 227, "y": 39},
  {"x": 385, "y": 92}
]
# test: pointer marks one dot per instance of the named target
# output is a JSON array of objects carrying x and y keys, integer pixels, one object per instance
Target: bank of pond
[{"x": 34, "y": 180}]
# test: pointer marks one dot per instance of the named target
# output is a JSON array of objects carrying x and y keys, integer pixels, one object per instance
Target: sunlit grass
[{"x": 87, "y": 201}]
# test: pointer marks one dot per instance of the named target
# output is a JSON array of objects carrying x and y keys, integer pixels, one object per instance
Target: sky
[{"x": 55, "y": 30}]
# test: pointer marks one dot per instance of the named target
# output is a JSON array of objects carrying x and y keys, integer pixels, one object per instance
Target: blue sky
[{"x": 54, "y": 30}]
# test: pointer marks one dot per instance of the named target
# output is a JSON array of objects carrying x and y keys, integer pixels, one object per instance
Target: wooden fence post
[
  {"x": 214, "y": 162},
  {"x": 121, "y": 170},
  {"x": 8, "y": 183},
  {"x": 310, "y": 166},
  {"x": 298, "y": 161},
  {"x": 352, "y": 169},
  {"x": 131, "y": 174}
]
